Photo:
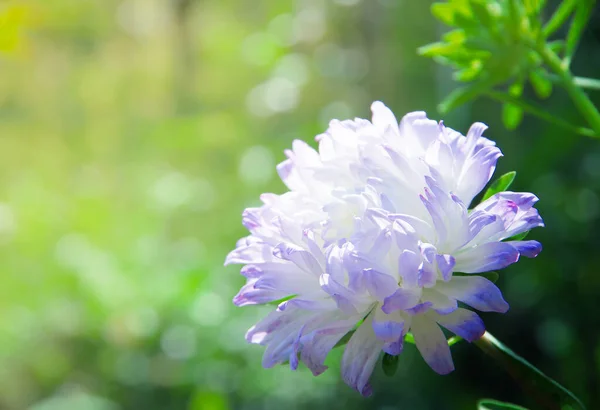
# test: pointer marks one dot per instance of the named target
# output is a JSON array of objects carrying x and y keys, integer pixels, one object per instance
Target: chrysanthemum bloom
[{"x": 375, "y": 237}]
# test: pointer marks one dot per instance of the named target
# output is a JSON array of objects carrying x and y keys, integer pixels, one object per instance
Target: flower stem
[
  {"x": 560, "y": 16},
  {"x": 569, "y": 82},
  {"x": 590, "y": 83},
  {"x": 583, "y": 82},
  {"x": 539, "y": 112},
  {"x": 545, "y": 391}
]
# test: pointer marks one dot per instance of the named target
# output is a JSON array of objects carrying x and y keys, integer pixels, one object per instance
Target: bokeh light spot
[
  {"x": 346, "y": 3},
  {"x": 336, "y": 109},
  {"x": 584, "y": 206},
  {"x": 208, "y": 309},
  {"x": 555, "y": 337},
  {"x": 260, "y": 48},
  {"x": 294, "y": 68},
  {"x": 179, "y": 342},
  {"x": 8, "y": 223},
  {"x": 172, "y": 190},
  {"x": 309, "y": 25},
  {"x": 281, "y": 27},
  {"x": 257, "y": 165}
]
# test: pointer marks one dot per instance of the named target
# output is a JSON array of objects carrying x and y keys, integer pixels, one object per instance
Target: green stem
[
  {"x": 591, "y": 83},
  {"x": 559, "y": 17},
  {"x": 578, "y": 25},
  {"x": 546, "y": 392},
  {"x": 567, "y": 80},
  {"x": 583, "y": 82},
  {"x": 539, "y": 112}
]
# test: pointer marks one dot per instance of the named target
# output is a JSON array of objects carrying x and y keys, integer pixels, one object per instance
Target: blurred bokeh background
[{"x": 134, "y": 132}]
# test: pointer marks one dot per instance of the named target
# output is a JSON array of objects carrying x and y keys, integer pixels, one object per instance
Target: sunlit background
[{"x": 134, "y": 132}]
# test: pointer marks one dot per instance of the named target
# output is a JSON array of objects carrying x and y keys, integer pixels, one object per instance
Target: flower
[{"x": 375, "y": 239}]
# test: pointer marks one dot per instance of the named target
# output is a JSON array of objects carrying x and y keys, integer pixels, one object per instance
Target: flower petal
[
  {"x": 384, "y": 118},
  {"x": 475, "y": 291},
  {"x": 301, "y": 257},
  {"x": 487, "y": 257},
  {"x": 441, "y": 303},
  {"x": 529, "y": 249},
  {"x": 464, "y": 323},
  {"x": 379, "y": 285},
  {"x": 249, "y": 294},
  {"x": 388, "y": 328},
  {"x": 317, "y": 345},
  {"x": 445, "y": 264},
  {"x": 401, "y": 299},
  {"x": 360, "y": 356},
  {"x": 432, "y": 344}
]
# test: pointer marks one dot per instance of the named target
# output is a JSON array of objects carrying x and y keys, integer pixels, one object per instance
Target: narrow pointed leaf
[
  {"x": 500, "y": 185},
  {"x": 345, "y": 339},
  {"x": 544, "y": 390},
  {"x": 409, "y": 338},
  {"x": 279, "y": 301},
  {"x": 492, "y": 276},
  {"x": 454, "y": 340},
  {"x": 560, "y": 16},
  {"x": 444, "y": 12},
  {"x": 582, "y": 15},
  {"x": 518, "y": 237},
  {"x": 482, "y": 13},
  {"x": 489, "y": 404},
  {"x": 533, "y": 7},
  {"x": 461, "y": 96}
]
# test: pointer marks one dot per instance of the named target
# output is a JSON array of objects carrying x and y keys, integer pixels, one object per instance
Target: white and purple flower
[{"x": 376, "y": 239}]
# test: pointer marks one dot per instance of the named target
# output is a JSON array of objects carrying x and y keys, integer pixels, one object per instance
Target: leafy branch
[{"x": 498, "y": 46}]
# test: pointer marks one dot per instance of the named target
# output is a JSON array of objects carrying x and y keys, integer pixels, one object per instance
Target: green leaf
[
  {"x": 541, "y": 83},
  {"x": 454, "y": 340},
  {"x": 489, "y": 404},
  {"x": 512, "y": 115},
  {"x": 560, "y": 16},
  {"x": 516, "y": 13},
  {"x": 500, "y": 185},
  {"x": 389, "y": 364},
  {"x": 457, "y": 36},
  {"x": 461, "y": 96},
  {"x": 492, "y": 276},
  {"x": 470, "y": 73},
  {"x": 518, "y": 237},
  {"x": 533, "y": 7},
  {"x": 345, "y": 339},
  {"x": 582, "y": 15},
  {"x": 439, "y": 49},
  {"x": 539, "y": 112},
  {"x": 481, "y": 12},
  {"x": 409, "y": 338},
  {"x": 540, "y": 387},
  {"x": 279, "y": 301},
  {"x": 444, "y": 12}
]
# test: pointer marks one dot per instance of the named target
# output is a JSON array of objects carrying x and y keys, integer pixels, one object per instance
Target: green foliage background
[{"x": 133, "y": 134}]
